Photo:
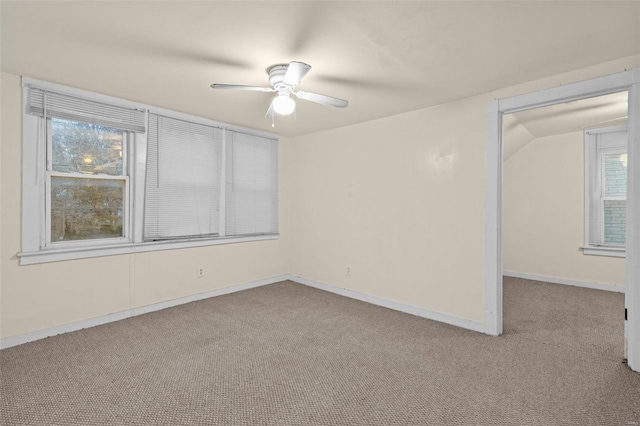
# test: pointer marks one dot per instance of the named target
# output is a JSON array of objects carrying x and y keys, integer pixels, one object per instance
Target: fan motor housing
[{"x": 276, "y": 74}]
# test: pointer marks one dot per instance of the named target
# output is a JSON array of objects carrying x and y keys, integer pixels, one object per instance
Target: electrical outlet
[
  {"x": 200, "y": 271},
  {"x": 348, "y": 271}
]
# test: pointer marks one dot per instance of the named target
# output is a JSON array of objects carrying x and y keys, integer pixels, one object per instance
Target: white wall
[
  {"x": 39, "y": 296},
  {"x": 400, "y": 201},
  {"x": 543, "y": 214}
]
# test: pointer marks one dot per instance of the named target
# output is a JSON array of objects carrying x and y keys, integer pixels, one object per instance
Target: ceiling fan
[{"x": 284, "y": 79}]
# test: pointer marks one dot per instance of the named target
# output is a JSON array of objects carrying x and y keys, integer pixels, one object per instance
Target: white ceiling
[
  {"x": 384, "y": 57},
  {"x": 601, "y": 111}
]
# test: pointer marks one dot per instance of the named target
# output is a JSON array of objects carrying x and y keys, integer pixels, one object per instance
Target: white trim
[
  {"x": 396, "y": 306},
  {"x": 611, "y": 129},
  {"x": 589, "y": 146},
  {"x": 137, "y": 171},
  {"x": 493, "y": 222},
  {"x": 594, "y": 154},
  {"x": 613, "y": 83},
  {"x": 564, "y": 281},
  {"x": 632, "y": 271},
  {"x": 222, "y": 185},
  {"x": 623, "y": 81},
  {"x": 19, "y": 339},
  {"x": 466, "y": 323},
  {"x": 33, "y": 191},
  {"x": 604, "y": 251},
  {"x": 56, "y": 255}
]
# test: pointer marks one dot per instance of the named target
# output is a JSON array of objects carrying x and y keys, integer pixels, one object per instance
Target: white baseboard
[
  {"x": 396, "y": 306},
  {"x": 19, "y": 339},
  {"x": 564, "y": 281},
  {"x": 469, "y": 324}
]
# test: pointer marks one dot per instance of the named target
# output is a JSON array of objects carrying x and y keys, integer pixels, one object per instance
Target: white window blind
[
  {"x": 93, "y": 186},
  {"x": 251, "y": 184},
  {"x": 182, "y": 189},
  {"x": 41, "y": 103},
  {"x": 606, "y": 182}
]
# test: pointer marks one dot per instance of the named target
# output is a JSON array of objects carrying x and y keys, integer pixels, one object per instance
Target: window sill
[
  {"x": 604, "y": 251},
  {"x": 57, "y": 255}
]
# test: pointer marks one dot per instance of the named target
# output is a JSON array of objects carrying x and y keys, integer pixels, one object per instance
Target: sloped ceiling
[
  {"x": 574, "y": 116},
  {"x": 384, "y": 57},
  {"x": 515, "y": 136},
  {"x": 523, "y": 127}
]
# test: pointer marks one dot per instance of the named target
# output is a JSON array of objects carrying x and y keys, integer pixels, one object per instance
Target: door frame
[{"x": 624, "y": 81}]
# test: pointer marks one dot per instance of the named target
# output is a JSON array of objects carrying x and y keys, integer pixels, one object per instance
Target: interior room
[
  {"x": 547, "y": 178},
  {"x": 282, "y": 213},
  {"x": 544, "y": 193}
]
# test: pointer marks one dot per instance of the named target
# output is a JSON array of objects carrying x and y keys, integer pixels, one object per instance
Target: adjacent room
[
  {"x": 300, "y": 213},
  {"x": 555, "y": 159},
  {"x": 565, "y": 166}
]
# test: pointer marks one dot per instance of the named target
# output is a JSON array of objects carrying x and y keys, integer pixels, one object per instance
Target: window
[
  {"x": 251, "y": 185},
  {"x": 606, "y": 191},
  {"x": 191, "y": 192},
  {"x": 105, "y": 176},
  {"x": 183, "y": 180},
  {"x": 87, "y": 185}
]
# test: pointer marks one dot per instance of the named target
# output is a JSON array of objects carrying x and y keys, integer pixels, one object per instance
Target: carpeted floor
[{"x": 286, "y": 354}]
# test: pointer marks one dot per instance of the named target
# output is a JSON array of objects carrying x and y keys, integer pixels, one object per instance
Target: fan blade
[
  {"x": 240, "y": 87},
  {"x": 295, "y": 72},
  {"x": 322, "y": 99}
]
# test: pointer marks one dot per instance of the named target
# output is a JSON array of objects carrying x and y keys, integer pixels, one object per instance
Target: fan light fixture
[
  {"x": 283, "y": 105},
  {"x": 284, "y": 79}
]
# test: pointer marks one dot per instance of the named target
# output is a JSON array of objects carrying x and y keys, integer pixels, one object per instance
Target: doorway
[
  {"x": 551, "y": 260},
  {"x": 628, "y": 81}
]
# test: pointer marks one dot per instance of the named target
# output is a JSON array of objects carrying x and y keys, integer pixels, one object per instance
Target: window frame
[
  {"x": 590, "y": 137},
  {"x": 157, "y": 112},
  {"x": 601, "y": 161},
  {"x": 126, "y": 203},
  {"x": 36, "y": 246},
  {"x": 231, "y": 179}
]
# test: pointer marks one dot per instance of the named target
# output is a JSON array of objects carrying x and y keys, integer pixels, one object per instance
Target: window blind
[
  {"x": 251, "y": 185},
  {"x": 41, "y": 102},
  {"x": 183, "y": 182}
]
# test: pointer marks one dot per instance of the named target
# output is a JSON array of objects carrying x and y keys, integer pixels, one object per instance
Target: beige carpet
[{"x": 286, "y": 354}]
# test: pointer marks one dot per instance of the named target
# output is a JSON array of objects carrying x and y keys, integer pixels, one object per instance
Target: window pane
[
  {"x": 84, "y": 209},
  {"x": 86, "y": 148},
  {"x": 615, "y": 221},
  {"x": 615, "y": 176}
]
